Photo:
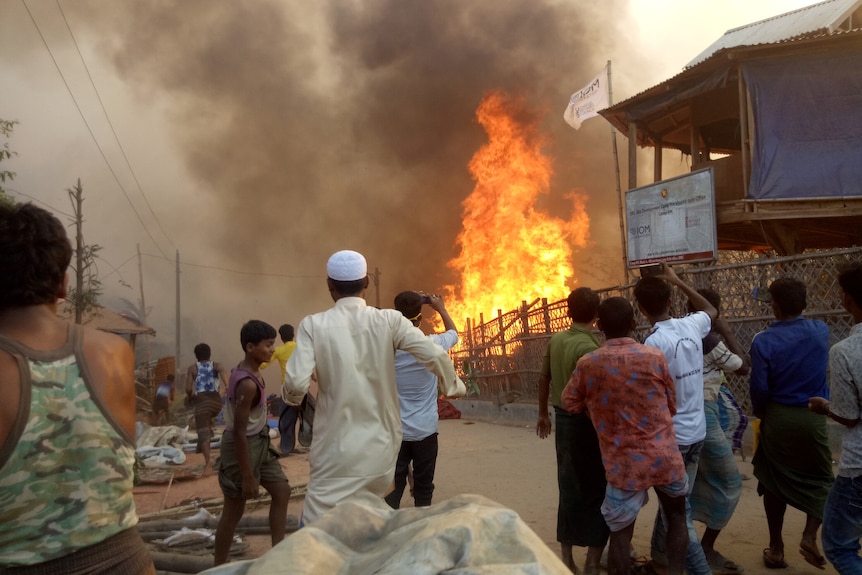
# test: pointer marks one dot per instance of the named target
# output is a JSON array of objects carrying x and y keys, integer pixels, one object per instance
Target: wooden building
[
  {"x": 106, "y": 320},
  {"x": 775, "y": 107}
]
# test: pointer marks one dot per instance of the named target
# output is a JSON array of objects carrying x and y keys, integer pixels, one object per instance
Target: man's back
[
  {"x": 281, "y": 354},
  {"x": 845, "y": 362},
  {"x": 357, "y": 425},
  {"x": 417, "y": 390},
  {"x": 630, "y": 398},
  {"x": 564, "y": 350},
  {"x": 69, "y": 384},
  {"x": 681, "y": 341},
  {"x": 788, "y": 362}
]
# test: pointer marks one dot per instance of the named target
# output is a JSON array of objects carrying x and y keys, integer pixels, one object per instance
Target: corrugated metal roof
[{"x": 822, "y": 18}]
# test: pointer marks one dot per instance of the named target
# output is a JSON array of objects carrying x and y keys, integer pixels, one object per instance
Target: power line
[
  {"x": 35, "y": 199},
  {"x": 235, "y": 271},
  {"x": 117, "y": 268},
  {"x": 89, "y": 129},
  {"x": 116, "y": 138}
]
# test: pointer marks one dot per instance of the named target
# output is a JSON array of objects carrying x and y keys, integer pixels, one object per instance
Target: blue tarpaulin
[{"x": 808, "y": 124}]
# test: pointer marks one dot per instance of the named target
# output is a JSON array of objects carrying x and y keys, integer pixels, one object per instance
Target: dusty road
[{"x": 512, "y": 466}]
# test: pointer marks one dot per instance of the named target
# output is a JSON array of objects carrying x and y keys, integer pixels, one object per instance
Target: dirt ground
[{"x": 512, "y": 466}]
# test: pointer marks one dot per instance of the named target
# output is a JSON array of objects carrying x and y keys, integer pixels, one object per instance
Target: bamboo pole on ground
[{"x": 216, "y": 505}]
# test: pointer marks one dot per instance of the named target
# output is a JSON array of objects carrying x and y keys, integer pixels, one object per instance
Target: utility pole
[
  {"x": 77, "y": 196},
  {"x": 144, "y": 317},
  {"x": 626, "y": 273},
  {"x": 177, "y": 358},
  {"x": 375, "y": 277}
]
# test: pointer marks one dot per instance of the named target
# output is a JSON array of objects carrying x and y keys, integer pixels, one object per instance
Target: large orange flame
[{"x": 510, "y": 251}]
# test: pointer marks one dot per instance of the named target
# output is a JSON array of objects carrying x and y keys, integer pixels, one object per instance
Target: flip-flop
[
  {"x": 817, "y": 560},
  {"x": 721, "y": 565},
  {"x": 644, "y": 569},
  {"x": 773, "y": 560}
]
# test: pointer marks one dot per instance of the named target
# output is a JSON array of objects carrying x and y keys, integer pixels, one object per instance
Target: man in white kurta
[{"x": 357, "y": 424}]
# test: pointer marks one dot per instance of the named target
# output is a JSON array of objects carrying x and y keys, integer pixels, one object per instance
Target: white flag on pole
[{"x": 586, "y": 102}]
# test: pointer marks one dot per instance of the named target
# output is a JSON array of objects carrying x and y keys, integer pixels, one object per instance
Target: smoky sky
[{"x": 350, "y": 124}]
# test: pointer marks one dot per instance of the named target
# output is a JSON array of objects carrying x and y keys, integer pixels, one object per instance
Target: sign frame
[{"x": 672, "y": 221}]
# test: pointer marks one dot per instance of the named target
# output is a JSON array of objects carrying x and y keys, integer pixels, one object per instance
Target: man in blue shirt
[
  {"x": 417, "y": 398},
  {"x": 793, "y": 463}
]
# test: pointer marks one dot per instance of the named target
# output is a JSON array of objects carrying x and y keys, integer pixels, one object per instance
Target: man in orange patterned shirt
[{"x": 630, "y": 396}]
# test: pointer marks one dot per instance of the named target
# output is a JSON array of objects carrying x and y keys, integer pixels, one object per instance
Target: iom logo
[{"x": 640, "y": 231}]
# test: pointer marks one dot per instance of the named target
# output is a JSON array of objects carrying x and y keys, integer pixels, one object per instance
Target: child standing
[
  {"x": 162, "y": 401},
  {"x": 247, "y": 456}
]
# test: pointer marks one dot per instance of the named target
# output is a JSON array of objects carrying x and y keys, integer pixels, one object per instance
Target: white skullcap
[{"x": 346, "y": 266}]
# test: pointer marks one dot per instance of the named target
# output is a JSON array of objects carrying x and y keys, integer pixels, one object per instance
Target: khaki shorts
[{"x": 264, "y": 463}]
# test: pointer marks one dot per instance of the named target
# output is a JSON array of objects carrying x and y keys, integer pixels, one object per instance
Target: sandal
[
  {"x": 643, "y": 569},
  {"x": 817, "y": 560},
  {"x": 773, "y": 560},
  {"x": 721, "y": 565}
]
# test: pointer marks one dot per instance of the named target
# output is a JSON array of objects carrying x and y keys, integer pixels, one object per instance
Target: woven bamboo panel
[{"x": 503, "y": 355}]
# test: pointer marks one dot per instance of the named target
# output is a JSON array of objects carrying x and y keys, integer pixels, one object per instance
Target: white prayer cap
[{"x": 346, "y": 266}]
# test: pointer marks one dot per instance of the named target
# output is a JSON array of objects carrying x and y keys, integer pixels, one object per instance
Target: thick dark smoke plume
[{"x": 318, "y": 126}]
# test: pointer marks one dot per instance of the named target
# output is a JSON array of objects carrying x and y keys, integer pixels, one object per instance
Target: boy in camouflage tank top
[{"x": 67, "y": 421}]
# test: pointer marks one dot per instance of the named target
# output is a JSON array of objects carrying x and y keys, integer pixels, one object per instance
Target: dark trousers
[
  {"x": 423, "y": 454},
  {"x": 287, "y": 428}
]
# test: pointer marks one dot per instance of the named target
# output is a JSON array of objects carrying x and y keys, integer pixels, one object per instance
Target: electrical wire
[
  {"x": 89, "y": 129},
  {"x": 37, "y": 200},
  {"x": 111, "y": 125},
  {"x": 235, "y": 271}
]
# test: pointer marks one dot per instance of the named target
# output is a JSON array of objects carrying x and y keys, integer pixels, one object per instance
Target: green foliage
[
  {"x": 6, "y": 129},
  {"x": 92, "y": 287}
]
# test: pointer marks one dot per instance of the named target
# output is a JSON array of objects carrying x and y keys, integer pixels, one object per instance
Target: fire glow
[{"x": 509, "y": 251}]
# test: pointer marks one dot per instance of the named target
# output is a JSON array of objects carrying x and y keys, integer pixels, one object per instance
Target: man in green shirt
[{"x": 580, "y": 474}]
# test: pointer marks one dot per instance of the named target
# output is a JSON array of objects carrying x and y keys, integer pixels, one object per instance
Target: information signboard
[{"x": 672, "y": 221}]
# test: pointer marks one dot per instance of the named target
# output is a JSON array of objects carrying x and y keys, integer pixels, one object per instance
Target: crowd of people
[
  {"x": 654, "y": 411},
  {"x": 630, "y": 416}
]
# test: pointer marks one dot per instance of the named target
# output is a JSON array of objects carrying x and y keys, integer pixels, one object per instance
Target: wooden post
[
  {"x": 525, "y": 319},
  {"x": 744, "y": 143},
  {"x": 77, "y": 196},
  {"x": 482, "y": 330},
  {"x": 623, "y": 241},
  {"x": 547, "y": 313},
  {"x": 177, "y": 345},
  {"x": 657, "y": 158},
  {"x": 695, "y": 147},
  {"x": 143, "y": 318},
  {"x": 633, "y": 155},
  {"x": 501, "y": 332}
]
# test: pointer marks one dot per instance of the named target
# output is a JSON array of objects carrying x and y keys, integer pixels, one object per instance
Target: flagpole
[{"x": 619, "y": 186}]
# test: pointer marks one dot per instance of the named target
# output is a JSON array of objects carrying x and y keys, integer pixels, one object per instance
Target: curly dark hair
[
  {"x": 653, "y": 294},
  {"x": 202, "y": 352},
  {"x": 34, "y": 255},
  {"x": 255, "y": 331},
  {"x": 583, "y": 304},
  {"x": 850, "y": 280},
  {"x": 616, "y": 315},
  {"x": 286, "y": 332},
  {"x": 789, "y": 294}
]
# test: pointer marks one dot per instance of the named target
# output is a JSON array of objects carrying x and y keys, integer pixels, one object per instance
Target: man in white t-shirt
[
  {"x": 417, "y": 398},
  {"x": 680, "y": 339}
]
